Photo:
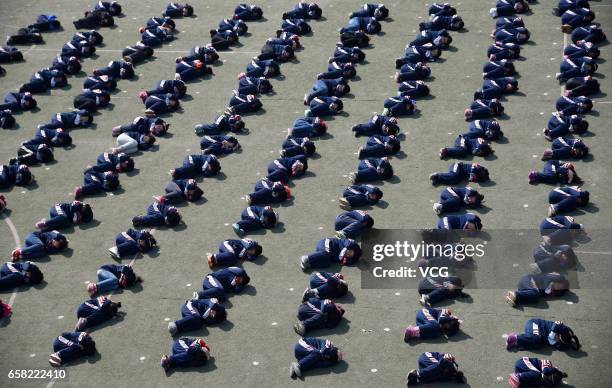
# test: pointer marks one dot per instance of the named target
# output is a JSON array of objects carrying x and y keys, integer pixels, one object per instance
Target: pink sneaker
[
  {"x": 7, "y": 310},
  {"x": 511, "y": 341},
  {"x": 42, "y": 224},
  {"x": 533, "y": 175},
  {"x": 78, "y": 191},
  {"x": 411, "y": 332},
  {"x": 513, "y": 380},
  {"x": 92, "y": 288},
  {"x": 143, "y": 95}
]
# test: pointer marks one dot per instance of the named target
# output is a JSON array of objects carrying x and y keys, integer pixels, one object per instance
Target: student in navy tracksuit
[
  {"x": 279, "y": 50},
  {"x": 539, "y": 332},
  {"x": 10, "y": 54},
  {"x": 92, "y": 37},
  {"x": 325, "y": 285},
  {"x": 113, "y": 162},
  {"x": 399, "y": 106},
  {"x": 177, "y": 88},
  {"x": 435, "y": 290},
  {"x": 486, "y": 129},
  {"x": 509, "y": 22},
  {"x": 414, "y": 54},
  {"x": 496, "y": 88},
  {"x": 13, "y": 275},
  {"x": 327, "y": 88},
  {"x": 40, "y": 244},
  {"x": 567, "y": 199},
  {"x": 112, "y": 7},
  {"x": 190, "y": 70},
  {"x": 177, "y": 10},
  {"x": 248, "y": 12},
  {"x": 412, "y": 72},
  {"x": 441, "y": 22},
  {"x": 219, "y": 145},
  {"x": 304, "y": 10},
  {"x": 267, "y": 191},
  {"x": 186, "y": 353},
  {"x": 112, "y": 277},
  {"x": 360, "y": 195},
  {"x": 25, "y": 36},
  {"x": 68, "y": 120},
  {"x": 500, "y": 51},
  {"x": 157, "y": 104},
  {"x": 15, "y": 174},
  {"x": 206, "y": 54},
  {"x": 376, "y": 10},
  {"x": 133, "y": 241},
  {"x": 103, "y": 82},
  {"x": 555, "y": 172},
  {"x": 69, "y": 347},
  {"x": 347, "y": 54},
  {"x": 379, "y": 146},
  {"x": 116, "y": 69},
  {"x": 164, "y": 21},
  {"x": 222, "y": 40},
  {"x": 197, "y": 165},
  {"x": 179, "y": 190},
  {"x": 576, "y": 67},
  {"x": 294, "y": 146},
  {"x": 498, "y": 69},
  {"x": 445, "y": 9},
  {"x": 254, "y": 86},
  {"x": 219, "y": 283},
  {"x": 509, "y": 8},
  {"x": 550, "y": 258},
  {"x": 254, "y": 218},
  {"x": 324, "y": 106},
  {"x": 574, "y": 18},
  {"x": 241, "y": 104},
  {"x": 6, "y": 119},
  {"x": 588, "y": 34},
  {"x": 197, "y": 313},
  {"x": 158, "y": 214},
  {"x": 516, "y": 35},
  {"x": 268, "y": 68},
  {"x": 311, "y": 127},
  {"x": 43, "y": 80},
  {"x": 137, "y": 53},
  {"x": 581, "y": 86},
  {"x": 454, "y": 198},
  {"x": 533, "y": 287},
  {"x": 566, "y": 148},
  {"x": 285, "y": 169},
  {"x": 236, "y": 25},
  {"x": 465, "y": 146},
  {"x": 332, "y": 250},
  {"x": 434, "y": 367},
  {"x": 132, "y": 142},
  {"x": 440, "y": 39},
  {"x": 96, "y": 311},
  {"x": 295, "y": 26},
  {"x": 433, "y": 323},
  {"x": 370, "y": 170},
  {"x": 559, "y": 229},
  {"x": 564, "y": 5},
  {"x": 352, "y": 223},
  {"x": 143, "y": 125},
  {"x": 534, "y": 372},
  {"x": 355, "y": 39},
  {"x": 313, "y": 353},
  {"x": 79, "y": 49},
  {"x": 366, "y": 24},
  {"x": 579, "y": 50},
  {"x": 64, "y": 215},
  {"x": 231, "y": 252},
  {"x": 466, "y": 221},
  {"x": 569, "y": 106},
  {"x": 317, "y": 313},
  {"x": 17, "y": 102},
  {"x": 91, "y": 100},
  {"x": 30, "y": 154},
  {"x": 413, "y": 89},
  {"x": 222, "y": 123},
  {"x": 560, "y": 125},
  {"x": 157, "y": 36},
  {"x": 378, "y": 125}
]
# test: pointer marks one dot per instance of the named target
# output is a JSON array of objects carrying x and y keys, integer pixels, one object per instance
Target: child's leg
[
  {"x": 107, "y": 281},
  {"x": 34, "y": 248},
  {"x": 319, "y": 259},
  {"x": 527, "y": 296},
  {"x": 188, "y": 323}
]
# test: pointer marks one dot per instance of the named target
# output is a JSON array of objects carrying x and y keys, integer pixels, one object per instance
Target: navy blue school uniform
[
  {"x": 206, "y": 54},
  {"x": 413, "y": 89},
  {"x": 13, "y": 275},
  {"x": 79, "y": 49},
  {"x": 248, "y": 12},
  {"x": 462, "y": 221},
  {"x": 222, "y": 123},
  {"x": 143, "y": 125},
  {"x": 256, "y": 217},
  {"x": 554, "y": 172},
  {"x": 565, "y": 5},
  {"x": 346, "y": 54},
  {"x": 578, "y": 50},
  {"x": 10, "y": 54},
  {"x": 249, "y": 85},
  {"x": 576, "y": 67},
  {"x": 415, "y": 54},
  {"x": 540, "y": 332},
  {"x": 556, "y": 226},
  {"x": 378, "y": 125},
  {"x": 399, "y": 106},
  {"x": 68, "y": 120},
  {"x": 93, "y": 37},
  {"x": 509, "y": 22},
  {"x": 157, "y": 214},
  {"x": 325, "y": 285},
  {"x": 17, "y": 102},
  {"x": 40, "y": 244},
  {"x": 156, "y": 37},
  {"x": 569, "y": 106},
  {"x": 95, "y": 182},
  {"x": 313, "y": 353},
  {"x": 370, "y": 170},
  {"x": 232, "y": 251},
  {"x": 295, "y": 26},
  {"x": 445, "y": 9},
  {"x": 160, "y": 104},
  {"x": 441, "y": 22},
  {"x": 267, "y": 191},
  {"x": 430, "y": 37},
  {"x": 435, "y": 290},
  {"x": 366, "y": 24},
  {"x": 567, "y": 199},
  {"x": 43, "y": 80},
  {"x": 318, "y": 313},
  {"x": 304, "y": 10},
  {"x": 63, "y": 215},
  {"x": 91, "y": 100},
  {"x": 499, "y": 51},
  {"x": 111, "y": 162},
  {"x": 560, "y": 125},
  {"x": 104, "y": 83},
  {"x": 531, "y": 288},
  {"x": 434, "y": 367},
  {"x": 497, "y": 69},
  {"x": 6, "y": 119},
  {"x": 222, "y": 40},
  {"x": 197, "y": 313},
  {"x": 179, "y": 190},
  {"x": 116, "y": 69},
  {"x": 94, "y": 19},
  {"x": 219, "y": 145},
  {"x": 335, "y": 70},
  {"x": 509, "y": 7},
  {"x": 241, "y": 103},
  {"x": 327, "y": 88},
  {"x": 333, "y": 251},
  {"x": 581, "y": 86},
  {"x": 457, "y": 172},
  {"x": 359, "y": 195},
  {"x": 379, "y": 146},
  {"x": 236, "y": 25},
  {"x": 413, "y": 72},
  {"x": 94, "y": 312},
  {"x": 177, "y": 10},
  {"x": 197, "y": 165},
  {"x": 429, "y": 321},
  {"x": 467, "y": 146},
  {"x": 294, "y": 146},
  {"x": 454, "y": 198},
  {"x": 518, "y": 35},
  {"x": 258, "y": 68},
  {"x": 164, "y": 21},
  {"x": 567, "y": 148},
  {"x": 25, "y": 36},
  {"x": 321, "y": 106},
  {"x": 359, "y": 39},
  {"x": 137, "y": 53},
  {"x": 377, "y": 10},
  {"x": 187, "y": 353},
  {"x": 279, "y": 50},
  {"x": 534, "y": 372},
  {"x": 350, "y": 224},
  {"x": 46, "y": 23},
  {"x": 550, "y": 258},
  {"x": 129, "y": 242},
  {"x": 311, "y": 127},
  {"x": 15, "y": 174},
  {"x": 285, "y": 169},
  {"x": 175, "y": 87},
  {"x": 219, "y": 283},
  {"x": 486, "y": 129},
  {"x": 579, "y": 17},
  {"x": 69, "y": 347},
  {"x": 30, "y": 154},
  {"x": 190, "y": 70},
  {"x": 112, "y": 7},
  {"x": 496, "y": 88}
]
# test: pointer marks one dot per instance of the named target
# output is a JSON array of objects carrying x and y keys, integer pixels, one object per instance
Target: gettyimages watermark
[{"x": 493, "y": 259}]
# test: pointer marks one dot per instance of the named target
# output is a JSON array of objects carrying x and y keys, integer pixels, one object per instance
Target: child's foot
[
  {"x": 344, "y": 203},
  {"x": 511, "y": 341},
  {"x": 511, "y": 298},
  {"x": 410, "y": 333}
]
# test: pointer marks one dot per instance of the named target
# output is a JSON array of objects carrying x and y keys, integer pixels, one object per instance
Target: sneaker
[
  {"x": 165, "y": 362},
  {"x": 172, "y": 329},
  {"x": 78, "y": 192},
  {"x": 352, "y": 177},
  {"x": 199, "y": 130},
  {"x": 300, "y": 328},
  {"x": 16, "y": 254},
  {"x": 547, "y": 154},
  {"x": 442, "y": 153},
  {"x": 468, "y": 114},
  {"x": 7, "y": 310},
  {"x": 340, "y": 234},
  {"x": 493, "y": 12},
  {"x": 308, "y": 293},
  {"x": 142, "y": 95},
  {"x": 305, "y": 99},
  {"x": 533, "y": 176},
  {"x": 511, "y": 298},
  {"x": 42, "y": 224},
  {"x": 360, "y": 153},
  {"x": 81, "y": 323},
  {"x": 386, "y": 112},
  {"x": 55, "y": 360},
  {"x": 433, "y": 178},
  {"x": 210, "y": 258},
  {"x": 551, "y": 210},
  {"x": 238, "y": 230},
  {"x": 511, "y": 340},
  {"x": 248, "y": 199},
  {"x": 514, "y": 381},
  {"x": 92, "y": 288},
  {"x": 437, "y": 207},
  {"x": 304, "y": 263},
  {"x": 424, "y": 300},
  {"x": 127, "y": 59},
  {"x": 195, "y": 295},
  {"x": 411, "y": 332},
  {"x": 294, "y": 370},
  {"x": 344, "y": 203}
]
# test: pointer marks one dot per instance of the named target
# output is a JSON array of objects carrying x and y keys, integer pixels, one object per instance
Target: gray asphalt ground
[{"x": 256, "y": 346}]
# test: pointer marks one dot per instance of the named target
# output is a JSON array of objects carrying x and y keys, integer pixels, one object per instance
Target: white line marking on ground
[{"x": 17, "y": 241}]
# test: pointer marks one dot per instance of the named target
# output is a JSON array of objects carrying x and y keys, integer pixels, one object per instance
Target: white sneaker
[
  {"x": 437, "y": 207},
  {"x": 493, "y": 12}
]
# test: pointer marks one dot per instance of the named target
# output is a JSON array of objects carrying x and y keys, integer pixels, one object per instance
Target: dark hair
[
  {"x": 258, "y": 250},
  {"x": 582, "y": 126},
  {"x": 369, "y": 222},
  {"x": 342, "y": 289},
  {"x": 452, "y": 328},
  {"x": 89, "y": 347},
  {"x": 63, "y": 241},
  {"x": 44, "y": 154},
  {"x": 36, "y": 277},
  {"x": 310, "y": 148},
  {"x": 187, "y": 10},
  {"x": 373, "y": 27},
  {"x": 339, "y": 104},
  {"x": 86, "y": 213},
  {"x": 173, "y": 218},
  {"x": 196, "y": 194},
  {"x": 220, "y": 315}
]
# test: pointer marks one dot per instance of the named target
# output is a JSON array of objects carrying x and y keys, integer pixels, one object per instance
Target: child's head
[
  {"x": 24, "y": 176},
  {"x": 314, "y": 11},
  {"x": 336, "y": 105},
  {"x": 44, "y": 154},
  {"x": 187, "y": 10},
  {"x": 60, "y": 242},
  {"x": 381, "y": 12},
  {"x": 343, "y": 89},
  {"x": 85, "y": 213},
  {"x": 33, "y": 274},
  {"x": 7, "y": 121},
  {"x": 309, "y": 147},
  {"x": 173, "y": 217},
  {"x": 373, "y": 27}
]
